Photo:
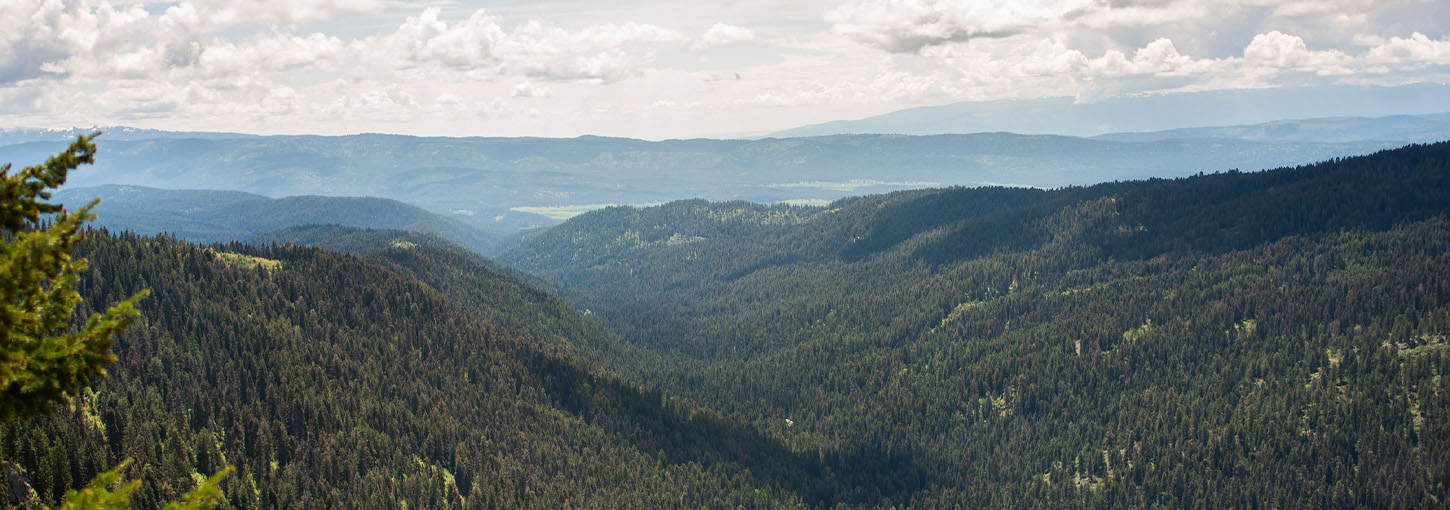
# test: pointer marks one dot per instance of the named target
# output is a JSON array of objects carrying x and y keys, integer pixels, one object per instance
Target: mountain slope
[
  {"x": 491, "y": 291},
  {"x": 1235, "y": 339},
  {"x": 410, "y": 374},
  {"x": 207, "y": 216},
  {"x": 334, "y": 382}
]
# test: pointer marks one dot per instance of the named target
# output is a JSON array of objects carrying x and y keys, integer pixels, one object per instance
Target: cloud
[
  {"x": 270, "y": 52},
  {"x": 38, "y": 37},
  {"x": 1160, "y": 56},
  {"x": 1282, "y": 51},
  {"x": 369, "y": 99},
  {"x": 52, "y": 39},
  {"x": 721, "y": 34},
  {"x": 1415, "y": 50},
  {"x": 909, "y": 25},
  {"x": 1052, "y": 65},
  {"x": 283, "y": 12},
  {"x": 1336, "y": 8},
  {"x": 601, "y": 53},
  {"x": 530, "y": 89},
  {"x": 447, "y": 100},
  {"x": 425, "y": 39}
]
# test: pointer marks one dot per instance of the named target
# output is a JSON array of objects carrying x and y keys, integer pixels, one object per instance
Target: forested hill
[
  {"x": 698, "y": 241},
  {"x": 1238, "y": 339},
  {"x": 210, "y": 216},
  {"x": 333, "y": 381},
  {"x": 702, "y": 248},
  {"x": 506, "y": 297}
]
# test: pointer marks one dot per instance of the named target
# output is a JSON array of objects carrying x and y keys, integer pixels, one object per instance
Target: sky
[{"x": 656, "y": 70}]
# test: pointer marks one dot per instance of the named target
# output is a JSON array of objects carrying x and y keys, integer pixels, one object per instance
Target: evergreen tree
[{"x": 43, "y": 362}]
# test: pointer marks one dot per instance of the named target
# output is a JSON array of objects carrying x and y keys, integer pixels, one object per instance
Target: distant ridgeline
[
  {"x": 209, "y": 216},
  {"x": 1271, "y": 339},
  {"x": 509, "y": 184}
]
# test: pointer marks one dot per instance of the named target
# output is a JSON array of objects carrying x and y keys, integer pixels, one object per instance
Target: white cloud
[
  {"x": 271, "y": 52},
  {"x": 1320, "y": 7},
  {"x": 530, "y": 89},
  {"x": 283, "y": 12},
  {"x": 1049, "y": 66},
  {"x": 1160, "y": 56},
  {"x": 909, "y": 26},
  {"x": 1282, "y": 51},
  {"x": 448, "y": 100},
  {"x": 367, "y": 99},
  {"x": 1415, "y": 50},
  {"x": 602, "y": 53},
  {"x": 40, "y": 38},
  {"x": 425, "y": 39},
  {"x": 721, "y": 34},
  {"x": 37, "y": 37}
]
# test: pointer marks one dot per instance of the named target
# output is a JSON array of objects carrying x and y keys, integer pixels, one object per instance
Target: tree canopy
[{"x": 44, "y": 360}]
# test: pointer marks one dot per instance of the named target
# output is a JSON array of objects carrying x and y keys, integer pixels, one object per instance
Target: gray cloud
[{"x": 26, "y": 59}]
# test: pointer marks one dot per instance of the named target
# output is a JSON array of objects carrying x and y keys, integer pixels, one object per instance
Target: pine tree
[{"x": 44, "y": 361}]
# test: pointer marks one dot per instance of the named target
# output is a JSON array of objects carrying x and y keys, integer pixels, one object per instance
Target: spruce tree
[{"x": 44, "y": 359}]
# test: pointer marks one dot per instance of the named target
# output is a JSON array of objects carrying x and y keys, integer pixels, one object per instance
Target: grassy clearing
[{"x": 248, "y": 261}]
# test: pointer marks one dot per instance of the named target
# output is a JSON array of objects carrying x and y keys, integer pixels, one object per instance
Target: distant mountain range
[
  {"x": 506, "y": 184},
  {"x": 1068, "y": 116},
  {"x": 208, "y": 216},
  {"x": 1408, "y": 128},
  {"x": 21, "y": 135}
]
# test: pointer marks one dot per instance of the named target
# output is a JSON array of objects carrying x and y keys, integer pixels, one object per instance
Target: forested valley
[
  {"x": 1262, "y": 339},
  {"x": 1236, "y": 339}
]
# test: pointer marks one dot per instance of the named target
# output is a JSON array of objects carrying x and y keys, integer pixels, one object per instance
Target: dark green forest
[
  {"x": 1244, "y": 339},
  {"x": 331, "y": 381},
  {"x": 1236, "y": 339}
]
